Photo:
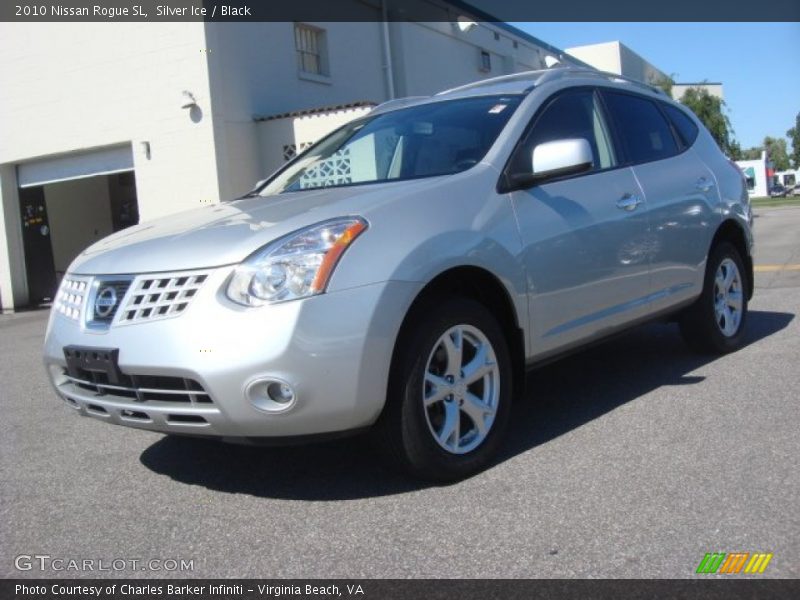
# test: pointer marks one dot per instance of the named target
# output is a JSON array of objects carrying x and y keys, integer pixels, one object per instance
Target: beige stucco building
[{"x": 616, "y": 57}]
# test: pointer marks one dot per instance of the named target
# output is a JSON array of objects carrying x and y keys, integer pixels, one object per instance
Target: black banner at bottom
[{"x": 390, "y": 589}]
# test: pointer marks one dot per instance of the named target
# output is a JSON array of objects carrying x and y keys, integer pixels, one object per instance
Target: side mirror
[
  {"x": 561, "y": 157},
  {"x": 554, "y": 159}
]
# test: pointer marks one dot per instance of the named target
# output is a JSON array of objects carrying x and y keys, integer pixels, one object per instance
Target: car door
[
  {"x": 680, "y": 191},
  {"x": 583, "y": 236}
]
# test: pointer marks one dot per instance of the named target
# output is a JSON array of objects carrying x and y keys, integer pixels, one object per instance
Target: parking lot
[{"x": 631, "y": 459}]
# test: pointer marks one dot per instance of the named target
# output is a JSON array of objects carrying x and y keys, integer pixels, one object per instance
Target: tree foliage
[
  {"x": 776, "y": 153},
  {"x": 666, "y": 84},
  {"x": 794, "y": 135},
  {"x": 735, "y": 152},
  {"x": 753, "y": 153},
  {"x": 709, "y": 109}
]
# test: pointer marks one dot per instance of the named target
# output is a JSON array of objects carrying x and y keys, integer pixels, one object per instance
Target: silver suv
[{"x": 401, "y": 274}]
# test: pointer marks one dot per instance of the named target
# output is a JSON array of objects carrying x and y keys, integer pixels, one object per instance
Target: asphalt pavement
[{"x": 631, "y": 459}]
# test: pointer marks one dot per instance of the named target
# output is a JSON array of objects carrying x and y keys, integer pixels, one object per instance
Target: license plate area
[{"x": 98, "y": 365}]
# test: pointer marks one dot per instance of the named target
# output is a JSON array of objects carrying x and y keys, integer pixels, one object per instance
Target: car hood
[{"x": 228, "y": 233}]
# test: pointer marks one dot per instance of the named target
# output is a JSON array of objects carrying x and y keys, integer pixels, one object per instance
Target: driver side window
[{"x": 572, "y": 114}]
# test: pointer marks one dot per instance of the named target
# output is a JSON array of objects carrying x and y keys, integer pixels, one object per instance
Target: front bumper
[{"x": 334, "y": 349}]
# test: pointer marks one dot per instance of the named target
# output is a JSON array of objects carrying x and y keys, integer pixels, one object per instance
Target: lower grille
[{"x": 141, "y": 388}]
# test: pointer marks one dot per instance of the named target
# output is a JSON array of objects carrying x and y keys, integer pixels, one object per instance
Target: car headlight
[{"x": 296, "y": 266}]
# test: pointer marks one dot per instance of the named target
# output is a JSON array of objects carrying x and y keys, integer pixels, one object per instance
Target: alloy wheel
[
  {"x": 461, "y": 389},
  {"x": 728, "y": 297}
]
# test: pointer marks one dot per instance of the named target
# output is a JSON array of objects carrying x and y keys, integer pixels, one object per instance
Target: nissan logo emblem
[{"x": 105, "y": 302}]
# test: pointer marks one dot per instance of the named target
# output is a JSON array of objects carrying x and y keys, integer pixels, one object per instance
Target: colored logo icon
[{"x": 734, "y": 562}]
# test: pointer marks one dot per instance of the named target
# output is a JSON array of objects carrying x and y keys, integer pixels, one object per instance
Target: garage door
[{"x": 102, "y": 161}]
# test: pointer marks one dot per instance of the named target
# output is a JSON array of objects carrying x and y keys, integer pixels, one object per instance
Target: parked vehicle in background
[
  {"x": 777, "y": 191},
  {"x": 402, "y": 274}
]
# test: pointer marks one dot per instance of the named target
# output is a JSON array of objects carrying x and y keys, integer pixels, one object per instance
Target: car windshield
[{"x": 437, "y": 138}]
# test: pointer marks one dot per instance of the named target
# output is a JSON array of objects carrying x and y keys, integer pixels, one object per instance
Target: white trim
[
  {"x": 76, "y": 165},
  {"x": 326, "y": 79}
]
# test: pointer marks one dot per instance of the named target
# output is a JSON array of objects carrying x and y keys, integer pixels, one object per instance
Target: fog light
[
  {"x": 281, "y": 393},
  {"x": 271, "y": 394}
]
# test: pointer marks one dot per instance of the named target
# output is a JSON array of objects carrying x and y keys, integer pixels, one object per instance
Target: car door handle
[
  {"x": 629, "y": 202},
  {"x": 704, "y": 184}
]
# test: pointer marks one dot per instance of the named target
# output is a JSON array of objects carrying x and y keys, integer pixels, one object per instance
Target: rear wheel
[
  {"x": 449, "y": 392},
  {"x": 715, "y": 322}
]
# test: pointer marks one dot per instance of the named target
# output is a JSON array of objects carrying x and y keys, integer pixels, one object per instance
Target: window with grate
[
  {"x": 310, "y": 44},
  {"x": 292, "y": 150},
  {"x": 335, "y": 170}
]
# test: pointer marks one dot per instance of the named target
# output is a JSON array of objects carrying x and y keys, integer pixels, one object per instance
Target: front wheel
[
  {"x": 715, "y": 322},
  {"x": 449, "y": 391}
]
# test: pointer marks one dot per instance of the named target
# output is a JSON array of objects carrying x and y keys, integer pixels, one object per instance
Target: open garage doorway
[
  {"x": 59, "y": 220},
  {"x": 68, "y": 202}
]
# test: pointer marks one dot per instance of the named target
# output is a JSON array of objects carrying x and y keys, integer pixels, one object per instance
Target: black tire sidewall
[
  {"x": 702, "y": 321},
  {"x": 424, "y": 455}
]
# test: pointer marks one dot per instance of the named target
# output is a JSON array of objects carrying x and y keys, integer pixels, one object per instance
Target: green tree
[
  {"x": 753, "y": 153},
  {"x": 736, "y": 152},
  {"x": 776, "y": 152},
  {"x": 794, "y": 135},
  {"x": 665, "y": 83},
  {"x": 709, "y": 109}
]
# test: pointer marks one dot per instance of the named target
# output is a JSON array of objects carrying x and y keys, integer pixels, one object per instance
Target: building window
[
  {"x": 486, "y": 61},
  {"x": 310, "y": 44},
  {"x": 750, "y": 177},
  {"x": 496, "y": 37}
]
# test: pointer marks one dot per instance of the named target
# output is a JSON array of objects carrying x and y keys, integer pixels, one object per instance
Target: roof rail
[
  {"x": 540, "y": 77},
  {"x": 493, "y": 80},
  {"x": 557, "y": 73},
  {"x": 398, "y": 103}
]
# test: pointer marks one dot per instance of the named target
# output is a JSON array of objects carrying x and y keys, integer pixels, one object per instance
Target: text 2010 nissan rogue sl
[{"x": 402, "y": 273}]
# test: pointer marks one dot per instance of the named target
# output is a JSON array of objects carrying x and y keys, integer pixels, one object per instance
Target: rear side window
[
  {"x": 644, "y": 132},
  {"x": 685, "y": 127}
]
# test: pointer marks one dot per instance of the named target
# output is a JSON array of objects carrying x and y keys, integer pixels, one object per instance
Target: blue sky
[{"x": 757, "y": 63}]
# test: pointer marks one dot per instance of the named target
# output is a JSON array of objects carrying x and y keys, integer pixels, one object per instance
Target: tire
[
  {"x": 431, "y": 424},
  {"x": 705, "y": 327}
]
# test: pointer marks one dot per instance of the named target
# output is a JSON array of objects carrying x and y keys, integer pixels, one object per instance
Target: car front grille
[
  {"x": 141, "y": 388},
  {"x": 160, "y": 297},
  {"x": 71, "y": 296},
  {"x": 114, "y": 290},
  {"x": 105, "y": 301}
]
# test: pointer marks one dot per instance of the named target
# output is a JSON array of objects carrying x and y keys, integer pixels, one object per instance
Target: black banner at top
[{"x": 397, "y": 10}]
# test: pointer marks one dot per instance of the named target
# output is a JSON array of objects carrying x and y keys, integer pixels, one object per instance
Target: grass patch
[{"x": 766, "y": 202}]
